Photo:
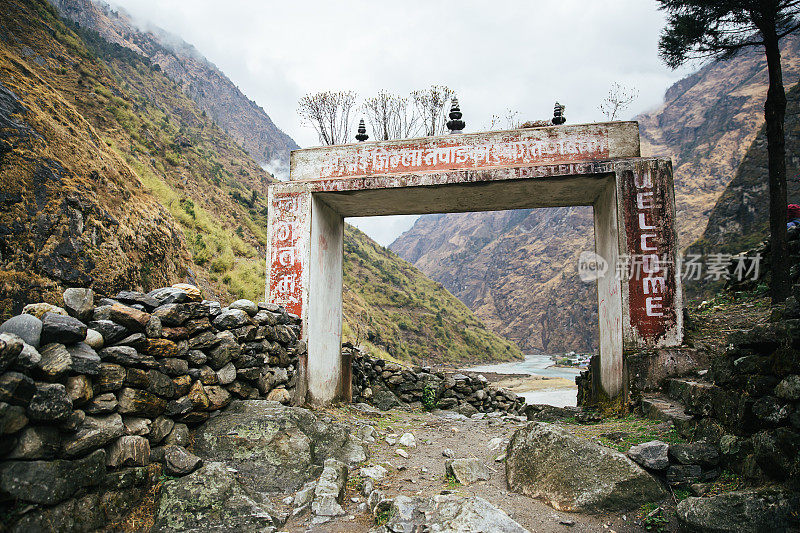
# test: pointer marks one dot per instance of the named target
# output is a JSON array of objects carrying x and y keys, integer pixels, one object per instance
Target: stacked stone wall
[
  {"x": 386, "y": 384},
  {"x": 97, "y": 397}
]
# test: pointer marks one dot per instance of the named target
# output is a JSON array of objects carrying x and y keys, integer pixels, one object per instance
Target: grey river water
[{"x": 541, "y": 366}]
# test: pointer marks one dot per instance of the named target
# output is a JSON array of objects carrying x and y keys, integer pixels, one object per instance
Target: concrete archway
[{"x": 592, "y": 164}]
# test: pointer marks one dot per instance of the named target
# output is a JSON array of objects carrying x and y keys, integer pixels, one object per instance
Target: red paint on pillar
[{"x": 286, "y": 265}]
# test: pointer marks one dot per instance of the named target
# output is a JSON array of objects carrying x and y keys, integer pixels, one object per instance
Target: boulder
[
  {"x": 161, "y": 348},
  {"x": 140, "y": 403},
  {"x": 277, "y": 448},
  {"x": 574, "y": 474},
  {"x": 27, "y": 327},
  {"x": 684, "y": 475},
  {"x": 101, "y": 404},
  {"x": 136, "y": 425},
  {"x": 127, "y": 356},
  {"x": 110, "y": 377},
  {"x": 178, "y": 436},
  {"x": 695, "y": 453},
  {"x": 179, "y": 462},
  {"x": 173, "y": 314},
  {"x": 226, "y": 350},
  {"x": 79, "y": 303},
  {"x": 79, "y": 390},
  {"x": 770, "y": 509},
  {"x": 218, "y": 397},
  {"x": 652, "y": 455},
  {"x": 247, "y": 306},
  {"x": 169, "y": 295},
  {"x": 330, "y": 489},
  {"x": 231, "y": 318},
  {"x": 50, "y": 482},
  {"x": 95, "y": 432},
  {"x": 63, "y": 329},
  {"x": 193, "y": 293},
  {"x": 128, "y": 450},
  {"x": 133, "y": 319},
  {"x": 110, "y": 331},
  {"x": 467, "y": 470},
  {"x": 39, "y": 309},
  {"x": 50, "y": 403},
  {"x": 279, "y": 394},
  {"x": 444, "y": 512},
  {"x": 136, "y": 297},
  {"x": 12, "y": 418},
  {"x": 227, "y": 374},
  {"x": 29, "y": 359},
  {"x": 84, "y": 359},
  {"x": 159, "y": 429},
  {"x": 210, "y": 499},
  {"x": 36, "y": 442},
  {"x": 55, "y": 361},
  {"x": 16, "y": 388}
]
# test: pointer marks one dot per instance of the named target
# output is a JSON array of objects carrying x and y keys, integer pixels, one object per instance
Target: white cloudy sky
[{"x": 521, "y": 55}]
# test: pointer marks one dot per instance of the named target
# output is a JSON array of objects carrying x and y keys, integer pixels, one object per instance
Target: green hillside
[{"x": 113, "y": 178}]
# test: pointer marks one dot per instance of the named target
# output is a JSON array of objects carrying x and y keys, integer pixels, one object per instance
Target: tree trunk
[{"x": 774, "y": 113}]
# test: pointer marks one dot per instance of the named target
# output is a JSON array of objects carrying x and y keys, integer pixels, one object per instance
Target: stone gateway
[{"x": 638, "y": 283}]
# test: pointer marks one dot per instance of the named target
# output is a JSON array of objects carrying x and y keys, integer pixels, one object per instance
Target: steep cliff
[
  {"x": 246, "y": 122},
  {"x": 706, "y": 124},
  {"x": 113, "y": 178}
]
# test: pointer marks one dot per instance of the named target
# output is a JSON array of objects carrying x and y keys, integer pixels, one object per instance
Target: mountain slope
[
  {"x": 705, "y": 125},
  {"x": 113, "y": 178},
  {"x": 246, "y": 122}
]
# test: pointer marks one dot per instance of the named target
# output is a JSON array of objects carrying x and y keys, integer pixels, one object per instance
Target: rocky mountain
[
  {"x": 244, "y": 120},
  {"x": 113, "y": 178},
  {"x": 516, "y": 270}
]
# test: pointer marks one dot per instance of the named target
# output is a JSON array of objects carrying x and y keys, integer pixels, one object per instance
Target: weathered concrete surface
[
  {"x": 595, "y": 164},
  {"x": 521, "y": 147}
]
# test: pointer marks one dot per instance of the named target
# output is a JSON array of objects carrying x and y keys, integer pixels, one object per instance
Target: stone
[
  {"x": 243, "y": 391},
  {"x": 50, "y": 403},
  {"x": 374, "y": 472},
  {"x": 384, "y": 399},
  {"x": 140, "y": 403},
  {"x": 208, "y": 376},
  {"x": 198, "y": 397},
  {"x": 39, "y": 309},
  {"x": 444, "y": 512},
  {"x": 179, "y": 462},
  {"x": 210, "y": 499},
  {"x": 79, "y": 390},
  {"x": 280, "y": 394},
  {"x": 231, "y": 318},
  {"x": 172, "y": 366},
  {"x": 467, "y": 470},
  {"x": 135, "y": 425},
  {"x": 51, "y": 482},
  {"x": 25, "y": 326},
  {"x": 226, "y": 350},
  {"x": 218, "y": 397},
  {"x": 62, "y": 329},
  {"x": 128, "y": 450},
  {"x": 178, "y": 436},
  {"x": 161, "y": 384},
  {"x": 55, "y": 361},
  {"x": 574, "y": 474},
  {"x": 273, "y": 448},
  {"x": 10, "y": 348},
  {"x": 110, "y": 331},
  {"x": 16, "y": 388},
  {"x": 407, "y": 440},
  {"x": 769, "y": 411},
  {"x": 173, "y": 314},
  {"x": 169, "y": 295},
  {"x": 135, "y": 297},
  {"x": 79, "y": 303},
  {"x": 75, "y": 420},
  {"x": 787, "y": 389},
  {"x": 127, "y": 356},
  {"x": 402, "y": 453},
  {"x": 197, "y": 358},
  {"x": 159, "y": 429},
  {"x": 95, "y": 432},
  {"x": 84, "y": 359},
  {"x": 109, "y": 378},
  {"x": 695, "y": 453},
  {"x": 776, "y": 451},
  {"x": 102, "y": 404},
  {"x": 29, "y": 359},
  {"x": 179, "y": 407},
  {"x": 330, "y": 489},
  {"x": 684, "y": 475},
  {"x": 245, "y": 305},
  {"x": 137, "y": 378},
  {"x": 161, "y": 348},
  {"x": 12, "y": 418},
  {"x": 755, "y": 511},
  {"x": 194, "y": 293},
  {"x": 36, "y": 442},
  {"x": 133, "y": 319},
  {"x": 154, "y": 328},
  {"x": 182, "y": 385},
  {"x": 227, "y": 374},
  {"x": 203, "y": 341},
  {"x": 94, "y": 338}
]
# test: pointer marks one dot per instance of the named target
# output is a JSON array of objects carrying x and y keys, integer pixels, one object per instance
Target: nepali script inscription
[
  {"x": 286, "y": 267},
  {"x": 475, "y": 152}
]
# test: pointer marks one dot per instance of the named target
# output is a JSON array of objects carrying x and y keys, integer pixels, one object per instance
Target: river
[{"x": 541, "y": 365}]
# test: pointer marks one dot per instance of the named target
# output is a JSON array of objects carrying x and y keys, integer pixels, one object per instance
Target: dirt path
[{"x": 422, "y": 473}]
